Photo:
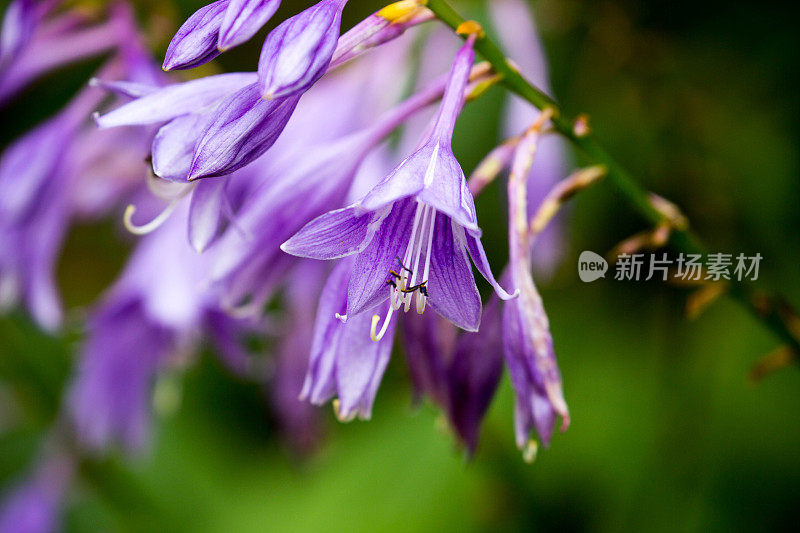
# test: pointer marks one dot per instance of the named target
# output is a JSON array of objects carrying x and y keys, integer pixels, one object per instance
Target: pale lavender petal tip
[
  {"x": 242, "y": 19},
  {"x": 195, "y": 43}
]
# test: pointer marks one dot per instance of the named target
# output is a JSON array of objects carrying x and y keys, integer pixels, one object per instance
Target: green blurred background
[{"x": 698, "y": 101}]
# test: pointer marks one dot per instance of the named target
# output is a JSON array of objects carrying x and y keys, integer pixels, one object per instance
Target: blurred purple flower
[
  {"x": 34, "y": 43},
  {"x": 517, "y": 32},
  {"x": 297, "y": 53},
  {"x": 34, "y": 506}
]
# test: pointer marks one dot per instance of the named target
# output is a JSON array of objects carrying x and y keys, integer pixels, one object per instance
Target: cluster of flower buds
[{"x": 276, "y": 185}]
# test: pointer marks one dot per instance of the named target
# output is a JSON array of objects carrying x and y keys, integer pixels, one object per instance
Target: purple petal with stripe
[
  {"x": 195, "y": 42},
  {"x": 243, "y": 19},
  {"x": 451, "y": 287}
]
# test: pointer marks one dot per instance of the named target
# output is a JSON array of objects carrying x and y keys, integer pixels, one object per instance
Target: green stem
[{"x": 638, "y": 198}]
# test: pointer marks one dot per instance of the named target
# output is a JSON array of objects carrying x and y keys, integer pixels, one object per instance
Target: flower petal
[
  {"x": 451, "y": 287},
  {"x": 336, "y": 234},
  {"x": 478, "y": 255},
  {"x": 320, "y": 382},
  {"x": 173, "y": 147},
  {"x": 195, "y": 42},
  {"x": 241, "y": 129},
  {"x": 367, "y": 287},
  {"x": 243, "y": 19},
  {"x": 176, "y": 100},
  {"x": 205, "y": 213},
  {"x": 360, "y": 365},
  {"x": 446, "y": 187},
  {"x": 297, "y": 52}
]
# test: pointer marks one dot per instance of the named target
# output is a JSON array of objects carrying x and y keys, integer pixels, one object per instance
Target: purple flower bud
[
  {"x": 297, "y": 53},
  {"x": 240, "y": 130},
  {"x": 243, "y": 19},
  {"x": 380, "y": 27},
  {"x": 195, "y": 42}
]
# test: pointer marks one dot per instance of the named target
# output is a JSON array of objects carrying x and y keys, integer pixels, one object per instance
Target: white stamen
[
  {"x": 151, "y": 226},
  {"x": 343, "y": 318},
  {"x": 160, "y": 219},
  {"x": 375, "y": 319}
]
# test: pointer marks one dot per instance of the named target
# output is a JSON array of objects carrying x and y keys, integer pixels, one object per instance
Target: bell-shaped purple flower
[
  {"x": 243, "y": 19},
  {"x": 297, "y": 53},
  {"x": 344, "y": 363},
  {"x": 195, "y": 42},
  {"x": 414, "y": 232}
]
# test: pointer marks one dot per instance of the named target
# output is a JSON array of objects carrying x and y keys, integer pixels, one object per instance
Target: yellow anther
[
  {"x": 400, "y": 12},
  {"x": 471, "y": 27}
]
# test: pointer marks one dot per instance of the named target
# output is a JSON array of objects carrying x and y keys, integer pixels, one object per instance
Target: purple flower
[
  {"x": 34, "y": 505},
  {"x": 527, "y": 342},
  {"x": 473, "y": 376},
  {"x": 35, "y": 205},
  {"x": 155, "y": 308},
  {"x": 53, "y": 42},
  {"x": 413, "y": 231},
  {"x": 195, "y": 42},
  {"x": 459, "y": 372},
  {"x": 243, "y": 19},
  {"x": 110, "y": 399},
  {"x": 297, "y": 53},
  {"x": 184, "y": 109},
  {"x": 298, "y": 420},
  {"x": 344, "y": 362}
]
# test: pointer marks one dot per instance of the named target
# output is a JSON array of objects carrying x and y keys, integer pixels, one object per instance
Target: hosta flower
[
  {"x": 344, "y": 363},
  {"x": 459, "y": 371},
  {"x": 36, "y": 187},
  {"x": 155, "y": 312},
  {"x": 239, "y": 131},
  {"x": 527, "y": 342},
  {"x": 413, "y": 233},
  {"x": 297, "y": 53}
]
